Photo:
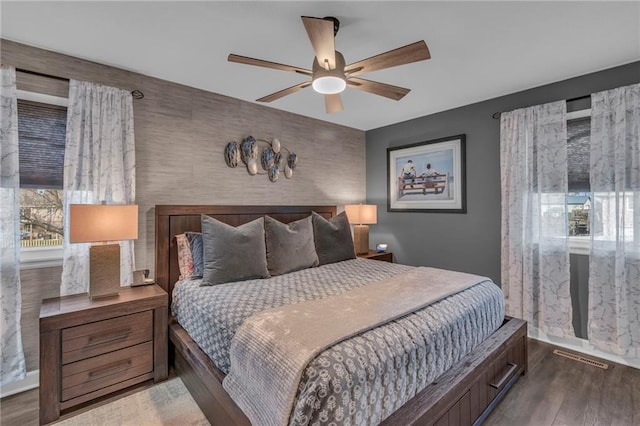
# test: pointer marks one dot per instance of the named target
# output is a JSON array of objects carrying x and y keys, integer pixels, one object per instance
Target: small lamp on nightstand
[
  {"x": 361, "y": 215},
  {"x": 96, "y": 223}
]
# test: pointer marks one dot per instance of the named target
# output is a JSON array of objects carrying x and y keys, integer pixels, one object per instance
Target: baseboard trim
[
  {"x": 31, "y": 381},
  {"x": 582, "y": 346}
]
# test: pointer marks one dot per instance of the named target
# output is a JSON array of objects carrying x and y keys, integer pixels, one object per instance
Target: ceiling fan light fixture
[
  {"x": 329, "y": 84},
  {"x": 329, "y": 81}
]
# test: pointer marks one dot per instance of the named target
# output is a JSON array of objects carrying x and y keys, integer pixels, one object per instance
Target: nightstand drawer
[
  {"x": 97, "y": 338},
  {"x": 91, "y": 374}
]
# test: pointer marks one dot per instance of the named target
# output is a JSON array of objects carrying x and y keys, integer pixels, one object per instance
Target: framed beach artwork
[{"x": 427, "y": 176}]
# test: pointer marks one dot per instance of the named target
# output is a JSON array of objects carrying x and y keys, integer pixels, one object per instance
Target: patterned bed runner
[{"x": 272, "y": 348}]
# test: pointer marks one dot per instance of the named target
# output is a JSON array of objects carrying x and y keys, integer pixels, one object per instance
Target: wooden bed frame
[{"x": 464, "y": 395}]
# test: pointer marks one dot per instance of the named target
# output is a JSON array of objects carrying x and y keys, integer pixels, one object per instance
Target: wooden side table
[
  {"x": 91, "y": 348},
  {"x": 385, "y": 256}
]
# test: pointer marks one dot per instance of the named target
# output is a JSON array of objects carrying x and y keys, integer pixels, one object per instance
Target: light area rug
[{"x": 167, "y": 403}]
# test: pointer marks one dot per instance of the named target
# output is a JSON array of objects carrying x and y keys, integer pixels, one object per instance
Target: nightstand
[
  {"x": 92, "y": 348},
  {"x": 385, "y": 256}
]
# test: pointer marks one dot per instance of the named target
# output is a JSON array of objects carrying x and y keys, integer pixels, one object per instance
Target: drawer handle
[
  {"x": 114, "y": 336},
  {"x": 113, "y": 368},
  {"x": 513, "y": 367}
]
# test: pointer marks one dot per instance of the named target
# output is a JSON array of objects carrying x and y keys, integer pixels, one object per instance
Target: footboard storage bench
[
  {"x": 464, "y": 395},
  {"x": 468, "y": 392}
]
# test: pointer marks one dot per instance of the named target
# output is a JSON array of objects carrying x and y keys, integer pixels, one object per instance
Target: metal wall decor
[{"x": 272, "y": 157}]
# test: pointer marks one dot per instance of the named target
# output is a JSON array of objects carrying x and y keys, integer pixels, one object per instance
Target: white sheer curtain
[
  {"x": 614, "y": 262},
  {"x": 535, "y": 249},
  {"x": 12, "y": 366},
  {"x": 99, "y": 165}
]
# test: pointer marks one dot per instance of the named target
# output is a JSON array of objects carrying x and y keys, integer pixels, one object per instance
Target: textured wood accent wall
[
  {"x": 180, "y": 137},
  {"x": 37, "y": 284}
]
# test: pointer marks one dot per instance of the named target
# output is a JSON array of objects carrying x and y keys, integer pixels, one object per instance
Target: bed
[{"x": 464, "y": 394}]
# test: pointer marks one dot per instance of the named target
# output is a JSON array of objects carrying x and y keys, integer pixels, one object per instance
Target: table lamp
[
  {"x": 105, "y": 225},
  {"x": 361, "y": 215}
]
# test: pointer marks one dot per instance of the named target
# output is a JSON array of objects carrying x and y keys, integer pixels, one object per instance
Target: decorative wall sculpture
[{"x": 272, "y": 157}]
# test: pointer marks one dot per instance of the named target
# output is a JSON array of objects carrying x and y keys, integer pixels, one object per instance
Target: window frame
[{"x": 41, "y": 257}]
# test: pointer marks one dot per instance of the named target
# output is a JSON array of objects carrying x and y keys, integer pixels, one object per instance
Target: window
[
  {"x": 40, "y": 217},
  {"x": 581, "y": 202},
  {"x": 41, "y": 134},
  {"x": 579, "y": 198}
]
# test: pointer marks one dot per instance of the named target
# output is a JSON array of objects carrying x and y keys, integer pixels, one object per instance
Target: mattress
[{"x": 361, "y": 380}]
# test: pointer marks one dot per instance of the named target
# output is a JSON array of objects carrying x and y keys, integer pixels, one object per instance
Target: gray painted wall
[
  {"x": 579, "y": 266},
  {"x": 465, "y": 242}
]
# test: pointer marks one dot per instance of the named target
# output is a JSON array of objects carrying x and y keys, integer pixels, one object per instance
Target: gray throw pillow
[
  {"x": 290, "y": 247},
  {"x": 333, "y": 239},
  {"x": 233, "y": 253}
]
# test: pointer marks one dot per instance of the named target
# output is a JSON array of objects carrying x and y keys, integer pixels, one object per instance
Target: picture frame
[{"x": 428, "y": 176}]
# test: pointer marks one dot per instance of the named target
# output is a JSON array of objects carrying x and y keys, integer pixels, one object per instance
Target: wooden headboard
[{"x": 172, "y": 220}]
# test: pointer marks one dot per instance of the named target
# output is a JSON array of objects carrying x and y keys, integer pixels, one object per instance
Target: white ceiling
[{"x": 479, "y": 50}]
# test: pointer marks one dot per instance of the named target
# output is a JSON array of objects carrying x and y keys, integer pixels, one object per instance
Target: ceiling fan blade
[
  {"x": 333, "y": 103},
  {"x": 413, "y": 52},
  {"x": 289, "y": 90},
  {"x": 320, "y": 32},
  {"x": 387, "y": 90},
  {"x": 260, "y": 63}
]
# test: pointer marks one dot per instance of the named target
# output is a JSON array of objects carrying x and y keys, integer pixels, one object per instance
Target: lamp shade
[
  {"x": 362, "y": 214},
  {"x": 90, "y": 223}
]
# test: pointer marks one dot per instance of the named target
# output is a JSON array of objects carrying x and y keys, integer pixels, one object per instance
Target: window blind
[
  {"x": 41, "y": 135},
  {"x": 578, "y": 136}
]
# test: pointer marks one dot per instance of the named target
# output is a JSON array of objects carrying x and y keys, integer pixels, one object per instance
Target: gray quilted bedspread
[{"x": 364, "y": 379}]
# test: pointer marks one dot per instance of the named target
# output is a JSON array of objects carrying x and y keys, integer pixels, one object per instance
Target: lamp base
[
  {"x": 104, "y": 270},
  {"x": 361, "y": 238}
]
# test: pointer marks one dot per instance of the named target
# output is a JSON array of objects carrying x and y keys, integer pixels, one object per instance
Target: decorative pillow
[
  {"x": 290, "y": 247},
  {"x": 333, "y": 239},
  {"x": 195, "y": 243},
  {"x": 185, "y": 260},
  {"x": 233, "y": 254}
]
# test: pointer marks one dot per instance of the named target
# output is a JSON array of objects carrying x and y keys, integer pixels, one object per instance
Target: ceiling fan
[{"x": 329, "y": 74}]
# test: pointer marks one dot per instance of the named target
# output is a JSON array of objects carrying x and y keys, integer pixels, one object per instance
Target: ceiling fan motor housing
[
  {"x": 318, "y": 68},
  {"x": 336, "y": 24}
]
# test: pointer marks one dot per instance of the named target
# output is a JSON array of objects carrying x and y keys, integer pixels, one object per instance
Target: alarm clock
[{"x": 381, "y": 248}]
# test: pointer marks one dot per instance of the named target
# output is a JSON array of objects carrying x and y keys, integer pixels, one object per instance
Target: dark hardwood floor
[
  {"x": 560, "y": 391},
  {"x": 20, "y": 409},
  {"x": 556, "y": 391}
]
